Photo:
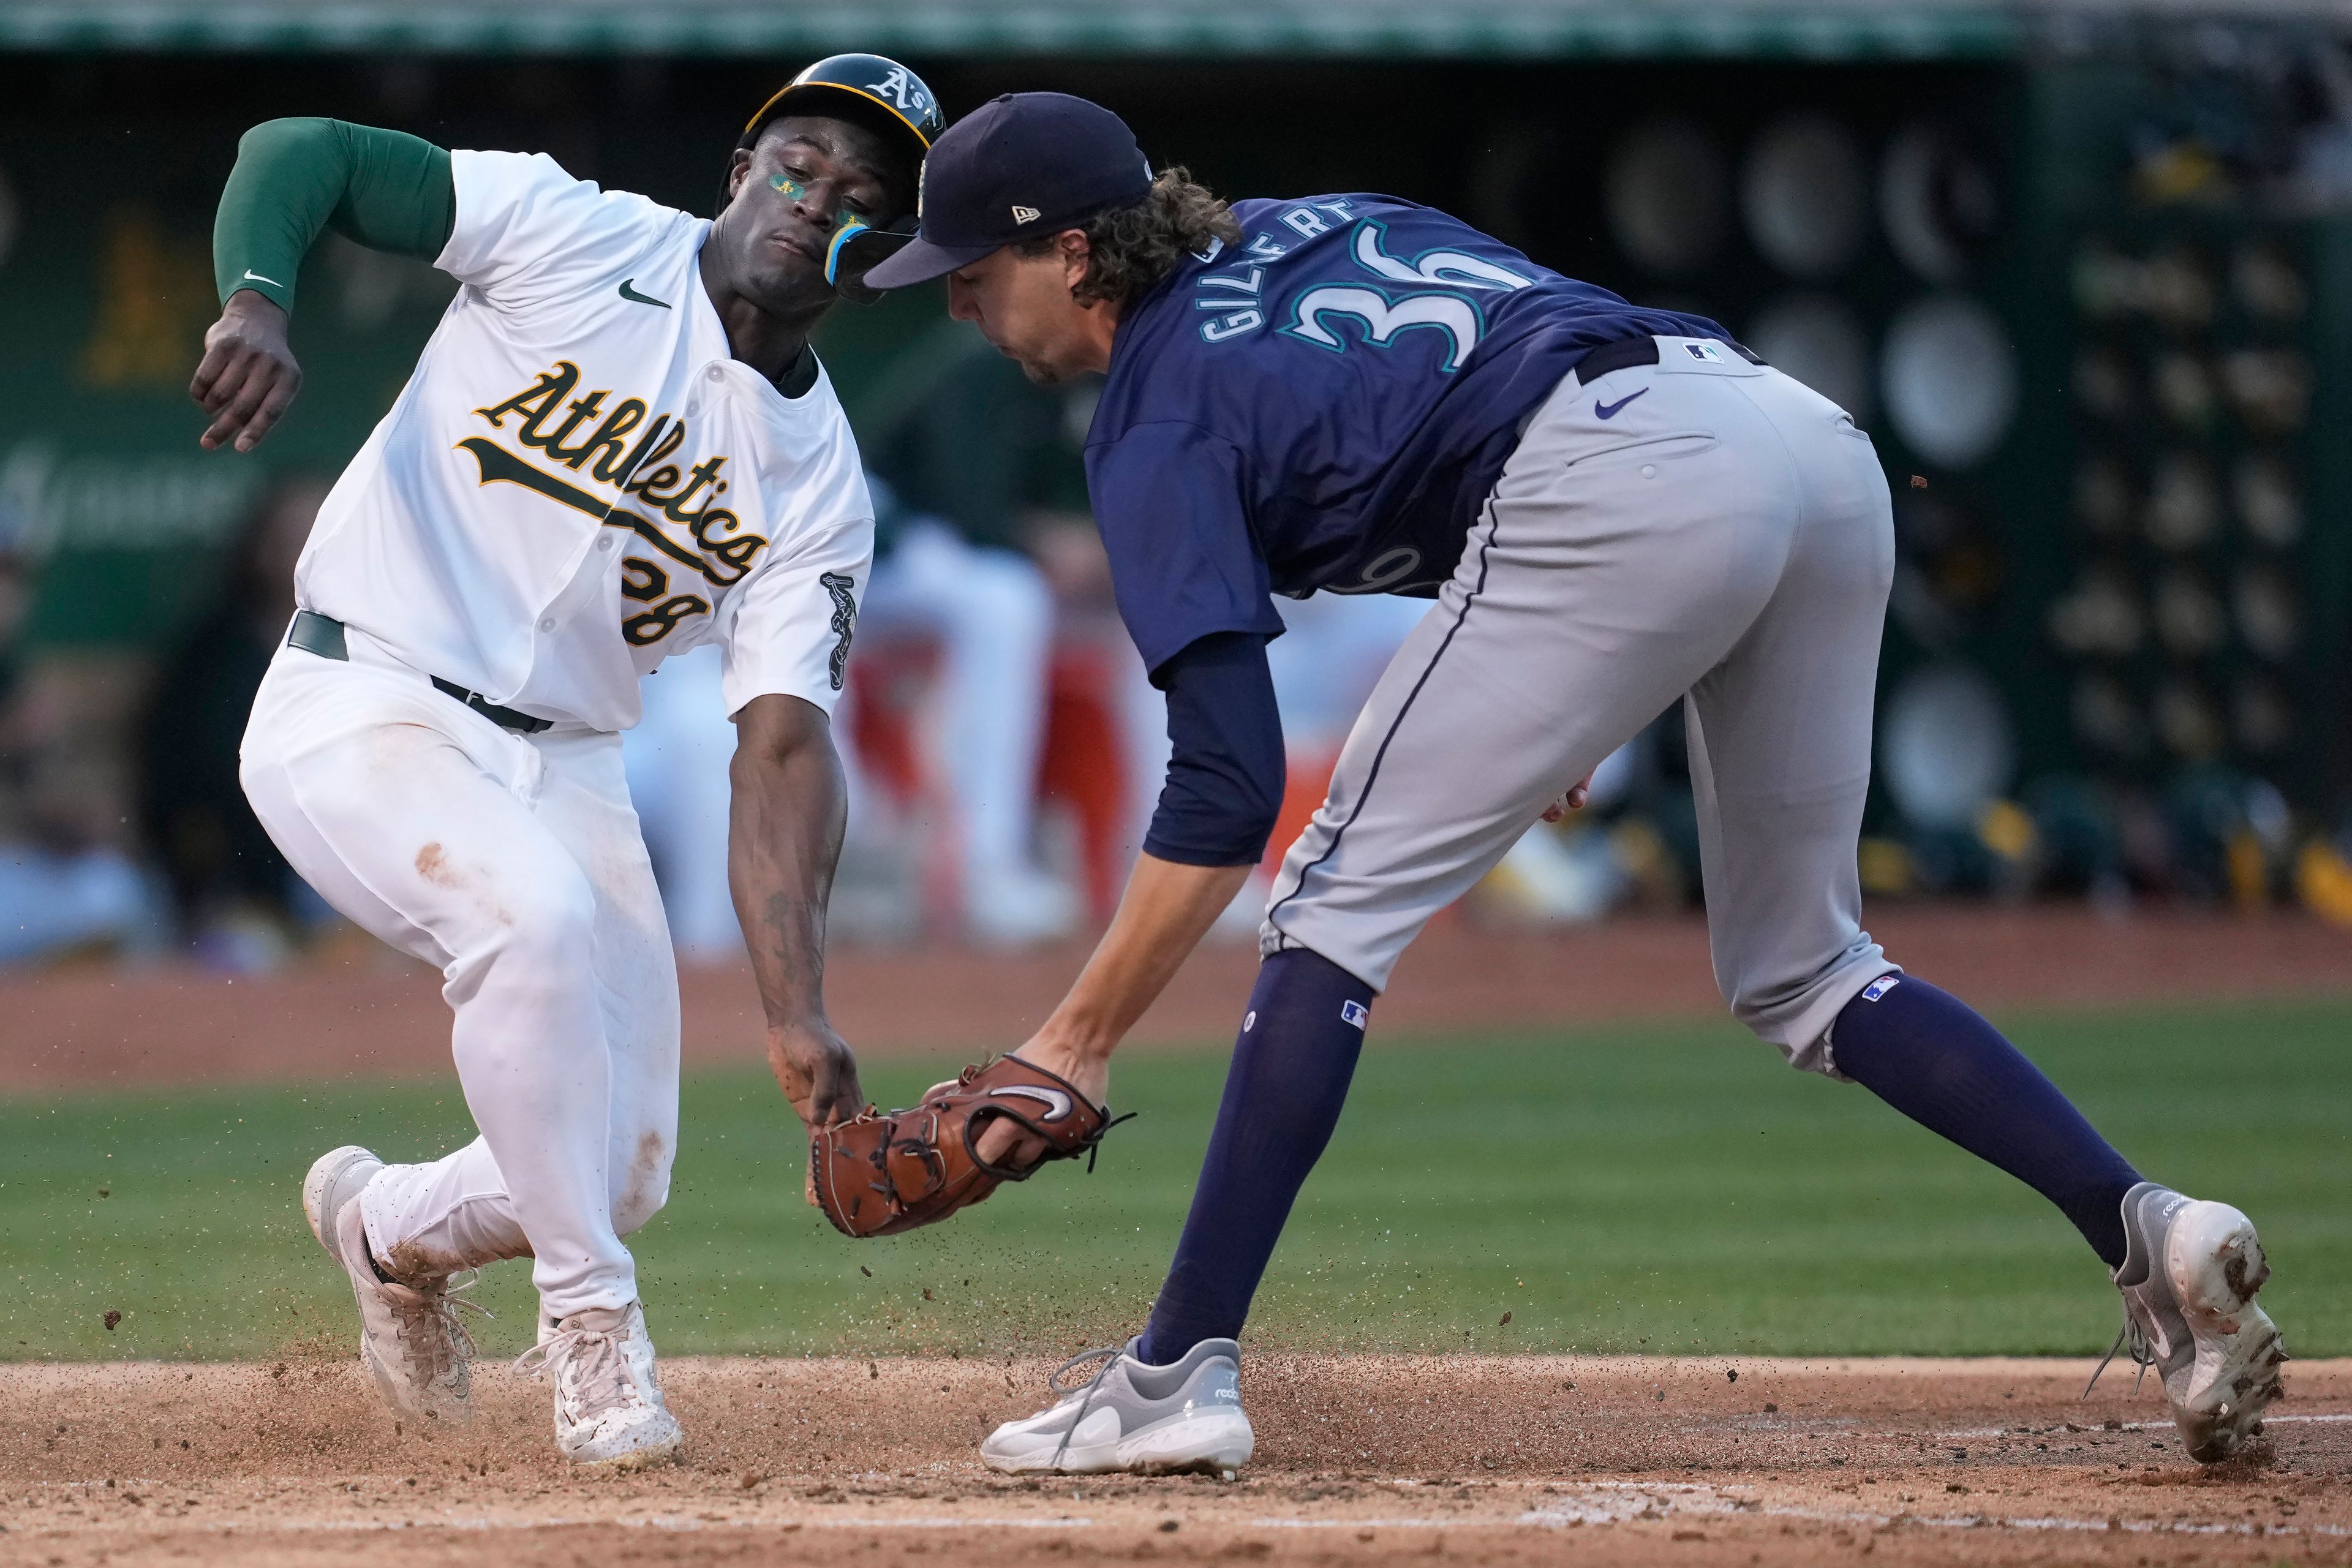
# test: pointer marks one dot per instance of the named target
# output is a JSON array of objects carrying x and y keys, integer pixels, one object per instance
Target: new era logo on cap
[{"x": 1025, "y": 215}]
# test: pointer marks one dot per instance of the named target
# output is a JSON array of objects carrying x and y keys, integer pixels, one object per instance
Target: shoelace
[
  {"x": 2141, "y": 1351},
  {"x": 1111, "y": 1356},
  {"x": 589, "y": 1358},
  {"x": 437, "y": 1316}
]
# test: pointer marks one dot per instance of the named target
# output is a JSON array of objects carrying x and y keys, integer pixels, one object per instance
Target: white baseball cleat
[
  {"x": 1153, "y": 1420},
  {"x": 2190, "y": 1270},
  {"x": 410, "y": 1338},
  {"x": 608, "y": 1405}
]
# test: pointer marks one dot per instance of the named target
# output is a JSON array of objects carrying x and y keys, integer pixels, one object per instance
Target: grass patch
[{"x": 1660, "y": 1188}]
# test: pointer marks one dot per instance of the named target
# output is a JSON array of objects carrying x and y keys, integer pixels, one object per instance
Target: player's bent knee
[
  {"x": 644, "y": 1184},
  {"x": 1805, "y": 1048},
  {"x": 637, "y": 1207},
  {"x": 1796, "y": 1012}
]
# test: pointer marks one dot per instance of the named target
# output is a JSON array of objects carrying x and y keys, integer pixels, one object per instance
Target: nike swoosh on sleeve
[
  {"x": 258, "y": 277},
  {"x": 634, "y": 298}
]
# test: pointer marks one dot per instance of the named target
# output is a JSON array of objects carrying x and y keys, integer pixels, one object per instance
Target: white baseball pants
[
  {"x": 1702, "y": 528},
  {"x": 514, "y": 865}
]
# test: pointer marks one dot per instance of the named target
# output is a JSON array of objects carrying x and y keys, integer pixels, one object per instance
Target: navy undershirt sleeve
[{"x": 1225, "y": 776}]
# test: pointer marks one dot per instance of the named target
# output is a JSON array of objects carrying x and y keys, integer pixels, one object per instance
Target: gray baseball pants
[{"x": 1702, "y": 528}]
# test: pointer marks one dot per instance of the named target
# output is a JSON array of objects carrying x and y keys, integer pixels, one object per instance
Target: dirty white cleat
[
  {"x": 2190, "y": 1270},
  {"x": 410, "y": 1338},
  {"x": 608, "y": 1405},
  {"x": 1153, "y": 1420}
]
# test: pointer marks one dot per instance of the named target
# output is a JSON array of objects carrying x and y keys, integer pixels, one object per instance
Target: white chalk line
[
  {"x": 1596, "y": 1503},
  {"x": 1704, "y": 1502},
  {"x": 1542, "y": 1518},
  {"x": 665, "y": 1522},
  {"x": 2268, "y": 1420}
]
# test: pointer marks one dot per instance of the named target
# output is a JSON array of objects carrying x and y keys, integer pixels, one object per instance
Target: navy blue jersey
[{"x": 1325, "y": 406}]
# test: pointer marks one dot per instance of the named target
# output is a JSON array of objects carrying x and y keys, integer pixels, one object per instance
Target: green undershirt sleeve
[{"x": 383, "y": 189}]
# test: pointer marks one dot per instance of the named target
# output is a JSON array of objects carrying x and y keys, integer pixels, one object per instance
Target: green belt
[{"x": 323, "y": 635}]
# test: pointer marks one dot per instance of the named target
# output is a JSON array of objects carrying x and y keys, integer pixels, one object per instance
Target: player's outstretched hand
[
  {"x": 818, "y": 1074},
  {"x": 248, "y": 375}
]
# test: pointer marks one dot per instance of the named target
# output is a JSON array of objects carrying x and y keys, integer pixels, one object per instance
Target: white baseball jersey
[{"x": 578, "y": 479}]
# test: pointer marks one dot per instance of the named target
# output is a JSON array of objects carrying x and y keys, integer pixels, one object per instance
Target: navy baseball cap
[{"x": 1020, "y": 166}]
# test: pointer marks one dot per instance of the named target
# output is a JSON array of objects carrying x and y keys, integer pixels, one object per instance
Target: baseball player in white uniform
[{"x": 617, "y": 445}]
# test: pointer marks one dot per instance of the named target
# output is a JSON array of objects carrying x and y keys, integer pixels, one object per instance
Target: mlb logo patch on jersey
[
  {"x": 1880, "y": 986},
  {"x": 1701, "y": 349},
  {"x": 1355, "y": 1012}
]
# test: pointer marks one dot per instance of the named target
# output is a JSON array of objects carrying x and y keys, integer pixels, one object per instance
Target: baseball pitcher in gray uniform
[{"x": 1611, "y": 508}]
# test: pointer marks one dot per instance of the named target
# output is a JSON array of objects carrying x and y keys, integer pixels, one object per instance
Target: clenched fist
[{"x": 248, "y": 375}]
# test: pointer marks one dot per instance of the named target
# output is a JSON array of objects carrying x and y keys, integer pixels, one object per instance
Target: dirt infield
[
  {"x": 1369, "y": 1459},
  {"x": 361, "y": 1010}
]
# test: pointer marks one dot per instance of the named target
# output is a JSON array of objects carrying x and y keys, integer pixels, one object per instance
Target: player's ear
[
  {"x": 1076, "y": 251},
  {"x": 736, "y": 169}
]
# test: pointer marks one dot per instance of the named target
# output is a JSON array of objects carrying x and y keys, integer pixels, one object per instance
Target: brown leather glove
[{"x": 882, "y": 1173}]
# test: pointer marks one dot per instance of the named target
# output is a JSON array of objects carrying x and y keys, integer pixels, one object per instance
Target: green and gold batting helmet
[{"x": 867, "y": 90}]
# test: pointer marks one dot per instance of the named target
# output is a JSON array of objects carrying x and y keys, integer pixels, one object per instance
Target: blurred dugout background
[{"x": 2084, "y": 272}]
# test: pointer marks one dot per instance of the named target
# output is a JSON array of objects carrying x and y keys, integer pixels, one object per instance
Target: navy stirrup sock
[
  {"x": 1292, "y": 1065},
  {"x": 1932, "y": 1058}
]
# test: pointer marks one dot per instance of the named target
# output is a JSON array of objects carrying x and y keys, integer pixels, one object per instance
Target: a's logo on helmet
[
  {"x": 900, "y": 89},
  {"x": 1025, "y": 215}
]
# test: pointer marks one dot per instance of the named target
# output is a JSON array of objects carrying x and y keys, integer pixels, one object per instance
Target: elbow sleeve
[{"x": 402, "y": 196}]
